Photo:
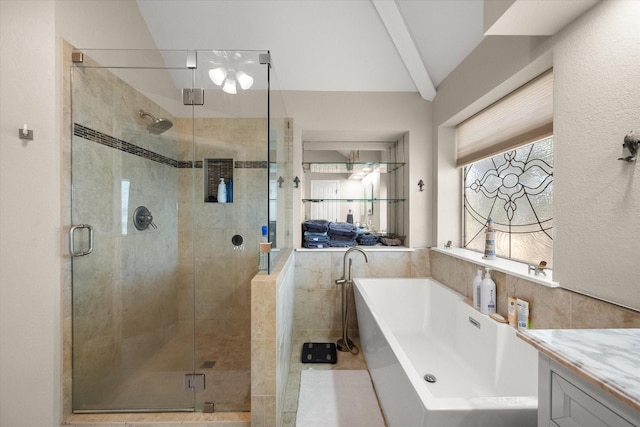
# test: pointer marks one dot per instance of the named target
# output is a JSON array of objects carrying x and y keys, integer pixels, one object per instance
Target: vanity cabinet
[{"x": 567, "y": 400}]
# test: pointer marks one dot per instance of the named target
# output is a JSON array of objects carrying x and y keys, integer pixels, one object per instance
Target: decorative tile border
[
  {"x": 260, "y": 164},
  {"x": 118, "y": 144},
  {"x": 109, "y": 141}
]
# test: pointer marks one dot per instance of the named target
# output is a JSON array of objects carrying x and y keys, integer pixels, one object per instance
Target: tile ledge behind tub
[
  {"x": 365, "y": 248},
  {"x": 513, "y": 268}
]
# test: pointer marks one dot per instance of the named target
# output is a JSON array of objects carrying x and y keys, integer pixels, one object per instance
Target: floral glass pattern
[{"x": 515, "y": 189}]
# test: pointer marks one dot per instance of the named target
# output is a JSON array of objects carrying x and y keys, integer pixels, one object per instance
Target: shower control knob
[{"x": 142, "y": 218}]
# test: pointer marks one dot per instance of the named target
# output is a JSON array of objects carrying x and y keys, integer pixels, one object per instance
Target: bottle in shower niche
[
  {"x": 264, "y": 249},
  {"x": 222, "y": 191},
  {"x": 490, "y": 241},
  {"x": 230, "y": 191},
  {"x": 487, "y": 294},
  {"x": 477, "y": 281}
]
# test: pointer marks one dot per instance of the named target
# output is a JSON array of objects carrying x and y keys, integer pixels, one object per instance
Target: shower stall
[{"x": 161, "y": 267}]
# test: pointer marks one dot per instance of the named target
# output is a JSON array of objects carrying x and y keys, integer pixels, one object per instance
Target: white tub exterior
[{"x": 486, "y": 376}]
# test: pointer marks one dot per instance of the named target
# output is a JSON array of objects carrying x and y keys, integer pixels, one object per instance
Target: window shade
[{"x": 523, "y": 116}]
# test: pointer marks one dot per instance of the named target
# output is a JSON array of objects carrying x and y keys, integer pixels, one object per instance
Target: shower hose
[{"x": 353, "y": 349}]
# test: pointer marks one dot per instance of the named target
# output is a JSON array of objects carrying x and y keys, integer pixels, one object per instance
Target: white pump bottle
[
  {"x": 476, "y": 289},
  {"x": 487, "y": 294},
  {"x": 222, "y": 191}
]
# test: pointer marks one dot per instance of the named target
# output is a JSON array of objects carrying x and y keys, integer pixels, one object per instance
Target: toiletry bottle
[
  {"x": 263, "y": 257},
  {"x": 222, "y": 191},
  {"x": 230, "y": 191},
  {"x": 490, "y": 241},
  {"x": 350, "y": 217},
  {"x": 487, "y": 294},
  {"x": 512, "y": 311},
  {"x": 476, "y": 289},
  {"x": 523, "y": 314}
]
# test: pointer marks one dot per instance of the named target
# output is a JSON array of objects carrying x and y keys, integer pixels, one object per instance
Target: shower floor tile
[{"x": 225, "y": 361}]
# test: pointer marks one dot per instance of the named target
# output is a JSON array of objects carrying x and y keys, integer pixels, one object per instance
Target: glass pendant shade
[
  {"x": 217, "y": 75},
  {"x": 230, "y": 86},
  {"x": 220, "y": 76},
  {"x": 245, "y": 80}
]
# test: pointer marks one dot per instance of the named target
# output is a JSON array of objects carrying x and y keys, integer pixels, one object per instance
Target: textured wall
[
  {"x": 596, "y": 99},
  {"x": 597, "y": 198}
]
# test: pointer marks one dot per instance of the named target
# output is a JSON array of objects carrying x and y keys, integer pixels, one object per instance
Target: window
[
  {"x": 506, "y": 151},
  {"x": 515, "y": 189}
]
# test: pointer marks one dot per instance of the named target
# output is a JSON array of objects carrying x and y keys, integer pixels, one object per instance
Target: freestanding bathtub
[{"x": 411, "y": 328}]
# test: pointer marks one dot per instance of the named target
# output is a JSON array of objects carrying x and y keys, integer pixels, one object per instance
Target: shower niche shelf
[{"x": 214, "y": 169}]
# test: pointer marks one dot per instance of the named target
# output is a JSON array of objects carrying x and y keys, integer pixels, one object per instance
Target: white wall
[
  {"x": 596, "y": 102},
  {"x": 31, "y": 190},
  {"x": 30, "y": 265},
  {"x": 597, "y": 198}
]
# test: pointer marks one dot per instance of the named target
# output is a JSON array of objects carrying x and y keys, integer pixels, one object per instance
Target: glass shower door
[
  {"x": 133, "y": 293},
  {"x": 230, "y": 143}
]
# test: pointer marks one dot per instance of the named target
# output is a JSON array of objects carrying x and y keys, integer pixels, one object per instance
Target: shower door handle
[{"x": 72, "y": 246}]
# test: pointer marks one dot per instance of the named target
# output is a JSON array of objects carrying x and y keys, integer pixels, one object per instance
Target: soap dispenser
[
  {"x": 476, "y": 289},
  {"x": 222, "y": 191},
  {"x": 487, "y": 294}
]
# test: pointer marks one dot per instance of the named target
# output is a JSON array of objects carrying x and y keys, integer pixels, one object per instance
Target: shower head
[{"x": 158, "y": 125}]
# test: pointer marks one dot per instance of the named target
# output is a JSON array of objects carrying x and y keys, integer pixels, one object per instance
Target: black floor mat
[{"x": 319, "y": 352}]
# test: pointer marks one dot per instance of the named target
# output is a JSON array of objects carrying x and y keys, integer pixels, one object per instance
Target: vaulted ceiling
[
  {"x": 353, "y": 45},
  {"x": 330, "y": 45}
]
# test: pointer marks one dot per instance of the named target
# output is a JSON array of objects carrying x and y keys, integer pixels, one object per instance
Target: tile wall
[
  {"x": 555, "y": 308},
  {"x": 272, "y": 306},
  {"x": 222, "y": 271},
  {"x": 318, "y": 299}
]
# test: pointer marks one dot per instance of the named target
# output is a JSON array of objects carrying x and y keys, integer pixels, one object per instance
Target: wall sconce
[
  {"x": 280, "y": 181},
  {"x": 421, "y": 185},
  {"x": 296, "y": 181},
  {"x": 630, "y": 147}
]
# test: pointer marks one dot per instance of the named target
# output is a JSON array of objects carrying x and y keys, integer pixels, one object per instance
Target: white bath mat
[{"x": 337, "y": 398}]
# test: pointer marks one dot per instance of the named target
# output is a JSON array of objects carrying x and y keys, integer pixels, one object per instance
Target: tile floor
[
  {"x": 345, "y": 361},
  {"x": 160, "y": 381}
]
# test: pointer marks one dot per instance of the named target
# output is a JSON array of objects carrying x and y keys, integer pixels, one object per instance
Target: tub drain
[{"x": 430, "y": 378}]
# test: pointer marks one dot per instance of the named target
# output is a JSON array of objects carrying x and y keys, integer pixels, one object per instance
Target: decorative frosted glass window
[{"x": 515, "y": 189}]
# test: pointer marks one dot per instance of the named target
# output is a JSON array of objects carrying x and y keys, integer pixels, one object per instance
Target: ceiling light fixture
[
  {"x": 227, "y": 74},
  {"x": 230, "y": 86},
  {"x": 217, "y": 75}
]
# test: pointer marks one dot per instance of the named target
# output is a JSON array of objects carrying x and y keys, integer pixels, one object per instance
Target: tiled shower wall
[
  {"x": 109, "y": 129},
  {"x": 550, "y": 308},
  {"x": 222, "y": 271},
  {"x": 130, "y": 300}
]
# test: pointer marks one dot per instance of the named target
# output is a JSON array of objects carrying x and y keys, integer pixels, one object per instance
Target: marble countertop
[{"x": 607, "y": 358}]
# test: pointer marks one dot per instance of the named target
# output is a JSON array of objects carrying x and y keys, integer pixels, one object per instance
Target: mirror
[{"x": 359, "y": 182}]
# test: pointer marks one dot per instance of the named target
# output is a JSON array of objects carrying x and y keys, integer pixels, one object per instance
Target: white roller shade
[{"x": 523, "y": 116}]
